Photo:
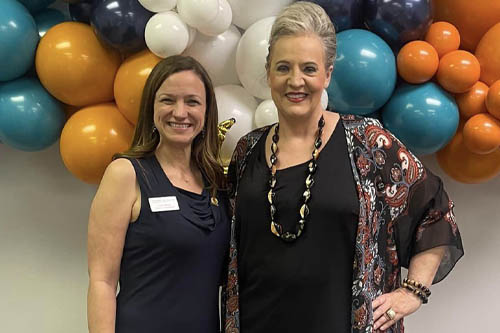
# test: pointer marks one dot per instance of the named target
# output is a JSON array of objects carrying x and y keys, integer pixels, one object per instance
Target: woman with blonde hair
[{"x": 327, "y": 208}]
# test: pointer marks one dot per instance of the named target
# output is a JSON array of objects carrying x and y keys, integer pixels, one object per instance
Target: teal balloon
[
  {"x": 424, "y": 117},
  {"x": 48, "y": 18},
  {"x": 364, "y": 73},
  {"x": 30, "y": 118},
  {"x": 34, "y": 6},
  {"x": 18, "y": 40}
]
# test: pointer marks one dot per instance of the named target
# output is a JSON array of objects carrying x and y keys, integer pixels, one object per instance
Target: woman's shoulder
[
  {"x": 120, "y": 170},
  {"x": 249, "y": 140},
  {"x": 353, "y": 121},
  {"x": 117, "y": 186},
  {"x": 244, "y": 147},
  {"x": 256, "y": 133}
]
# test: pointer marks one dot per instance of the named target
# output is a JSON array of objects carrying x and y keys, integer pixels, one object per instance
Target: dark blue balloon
[
  {"x": 398, "y": 21},
  {"x": 81, "y": 12},
  {"x": 345, "y": 14},
  {"x": 120, "y": 23}
]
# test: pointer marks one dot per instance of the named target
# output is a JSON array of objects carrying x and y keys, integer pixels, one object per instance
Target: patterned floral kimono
[{"x": 404, "y": 210}]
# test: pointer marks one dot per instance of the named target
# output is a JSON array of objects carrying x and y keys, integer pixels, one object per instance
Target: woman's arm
[
  {"x": 110, "y": 215},
  {"x": 424, "y": 265},
  {"x": 423, "y": 268}
]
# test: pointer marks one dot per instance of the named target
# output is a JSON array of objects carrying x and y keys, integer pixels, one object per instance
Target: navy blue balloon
[
  {"x": 30, "y": 118},
  {"x": 398, "y": 21},
  {"x": 34, "y": 6},
  {"x": 48, "y": 18},
  {"x": 121, "y": 23},
  {"x": 345, "y": 14},
  {"x": 424, "y": 117},
  {"x": 81, "y": 11}
]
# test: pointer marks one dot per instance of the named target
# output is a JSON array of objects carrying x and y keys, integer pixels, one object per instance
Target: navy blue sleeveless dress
[{"x": 172, "y": 260}]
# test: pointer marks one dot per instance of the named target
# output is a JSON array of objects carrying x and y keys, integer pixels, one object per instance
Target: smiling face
[
  {"x": 180, "y": 107},
  {"x": 297, "y": 75}
]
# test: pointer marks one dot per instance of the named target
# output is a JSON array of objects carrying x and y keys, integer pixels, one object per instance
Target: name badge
[{"x": 163, "y": 204}]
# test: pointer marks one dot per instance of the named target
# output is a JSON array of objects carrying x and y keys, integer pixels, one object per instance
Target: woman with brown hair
[
  {"x": 158, "y": 223},
  {"x": 328, "y": 207}
]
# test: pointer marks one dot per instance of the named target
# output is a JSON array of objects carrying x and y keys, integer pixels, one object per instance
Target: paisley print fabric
[{"x": 404, "y": 210}]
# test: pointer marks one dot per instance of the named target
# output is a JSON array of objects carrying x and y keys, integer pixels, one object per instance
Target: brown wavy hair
[{"x": 205, "y": 147}]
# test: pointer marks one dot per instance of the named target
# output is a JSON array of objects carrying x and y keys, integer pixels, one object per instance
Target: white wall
[
  {"x": 43, "y": 272},
  {"x": 43, "y": 261}
]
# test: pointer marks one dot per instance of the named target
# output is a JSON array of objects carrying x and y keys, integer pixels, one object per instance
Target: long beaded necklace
[{"x": 276, "y": 228}]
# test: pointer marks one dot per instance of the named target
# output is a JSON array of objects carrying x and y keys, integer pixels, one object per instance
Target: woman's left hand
[{"x": 401, "y": 301}]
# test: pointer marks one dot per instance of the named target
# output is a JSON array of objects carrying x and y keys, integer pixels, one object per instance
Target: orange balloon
[
  {"x": 417, "y": 62},
  {"x": 458, "y": 71},
  {"x": 493, "y": 99},
  {"x": 91, "y": 137},
  {"x": 444, "y": 37},
  {"x": 482, "y": 134},
  {"x": 488, "y": 54},
  {"x": 130, "y": 80},
  {"x": 465, "y": 166},
  {"x": 472, "y": 102},
  {"x": 74, "y": 66},
  {"x": 471, "y": 17}
]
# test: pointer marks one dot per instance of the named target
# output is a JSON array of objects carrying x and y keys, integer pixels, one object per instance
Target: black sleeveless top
[
  {"x": 172, "y": 260},
  {"x": 303, "y": 286}
]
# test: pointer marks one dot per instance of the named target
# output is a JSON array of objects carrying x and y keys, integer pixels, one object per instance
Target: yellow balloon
[
  {"x": 74, "y": 66},
  {"x": 91, "y": 137},
  {"x": 130, "y": 80}
]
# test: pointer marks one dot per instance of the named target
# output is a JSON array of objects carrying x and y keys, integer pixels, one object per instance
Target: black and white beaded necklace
[{"x": 276, "y": 228}]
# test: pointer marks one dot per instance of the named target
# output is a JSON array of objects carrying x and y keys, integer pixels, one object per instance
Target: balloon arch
[{"x": 75, "y": 70}]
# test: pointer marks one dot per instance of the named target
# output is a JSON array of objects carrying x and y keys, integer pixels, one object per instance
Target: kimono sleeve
[{"x": 428, "y": 223}]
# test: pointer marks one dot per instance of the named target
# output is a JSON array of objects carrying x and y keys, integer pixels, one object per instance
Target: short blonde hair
[{"x": 303, "y": 18}]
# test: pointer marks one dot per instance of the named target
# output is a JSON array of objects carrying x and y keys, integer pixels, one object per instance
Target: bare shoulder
[
  {"x": 118, "y": 181},
  {"x": 119, "y": 174}
]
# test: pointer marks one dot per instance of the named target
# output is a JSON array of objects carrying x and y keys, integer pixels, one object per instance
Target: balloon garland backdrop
[{"x": 433, "y": 81}]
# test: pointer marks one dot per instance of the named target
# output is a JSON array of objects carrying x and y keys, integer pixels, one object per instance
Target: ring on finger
[{"x": 390, "y": 314}]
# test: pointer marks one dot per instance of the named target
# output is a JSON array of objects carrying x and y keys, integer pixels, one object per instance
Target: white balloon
[
  {"x": 266, "y": 113},
  {"x": 157, "y": 6},
  {"x": 192, "y": 35},
  {"x": 247, "y": 12},
  {"x": 324, "y": 99},
  {"x": 217, "y": 55},
  {"x": 166, "y": 34},
  {"x": 197, "y": 12},
  {"x": 251, "y": 58},
  {"x": 221, "y": 22},
  {"x": 234, "y": 102}
]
